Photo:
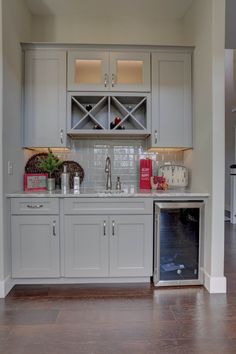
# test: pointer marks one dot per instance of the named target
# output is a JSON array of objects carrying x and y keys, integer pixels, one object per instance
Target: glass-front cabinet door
[
  {"x": 129, "y": 71},
  {"x": 178, "y": 227},
  {"x": 88, "y": 71},
  {"x": 108, "y": 71}
]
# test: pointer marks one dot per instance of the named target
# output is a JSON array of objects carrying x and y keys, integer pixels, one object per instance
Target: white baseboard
[
  {"x": 5, "y": 286},
  {"x": 215, "y": 284}
]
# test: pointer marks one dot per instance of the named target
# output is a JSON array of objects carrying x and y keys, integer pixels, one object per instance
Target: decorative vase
[{"x": 51, "y": 184}]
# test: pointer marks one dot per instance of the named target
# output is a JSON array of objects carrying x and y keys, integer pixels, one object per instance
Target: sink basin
[{"x": 112, "y": 191}]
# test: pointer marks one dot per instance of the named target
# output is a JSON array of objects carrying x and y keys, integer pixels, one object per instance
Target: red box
[
  {"x": 145, "y": 173},
  {"x": 35, "y": 182}
]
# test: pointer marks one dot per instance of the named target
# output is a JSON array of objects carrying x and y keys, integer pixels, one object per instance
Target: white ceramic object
[{"x": 175, "y": 175}]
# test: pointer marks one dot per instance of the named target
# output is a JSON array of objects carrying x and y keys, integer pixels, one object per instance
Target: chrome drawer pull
[
  {"x": 35, "y": 206},
  {"x": 54, "y": 228}
]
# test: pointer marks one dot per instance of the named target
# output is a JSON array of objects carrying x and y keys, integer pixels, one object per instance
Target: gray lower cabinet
[
  {"x": 35, "y": 246},
  {"x": 86, "y": 246},
  {"x": 131, "y": 245},
  {"x": 99, "y": 237},
  {"x": 101, "y": 246}
]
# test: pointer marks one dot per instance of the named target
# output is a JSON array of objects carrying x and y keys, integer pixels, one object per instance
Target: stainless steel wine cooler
[{"x": 177, "y": 243}]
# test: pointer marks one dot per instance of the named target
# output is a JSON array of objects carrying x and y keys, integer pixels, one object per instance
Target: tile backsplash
[{"x": 125, "y": 156}]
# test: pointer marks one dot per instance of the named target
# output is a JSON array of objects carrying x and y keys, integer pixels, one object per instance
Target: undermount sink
[{"x": 110, "y": 191}]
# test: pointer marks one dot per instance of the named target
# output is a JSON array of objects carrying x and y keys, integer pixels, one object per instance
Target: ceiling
[{"x": 159, "y": 9}]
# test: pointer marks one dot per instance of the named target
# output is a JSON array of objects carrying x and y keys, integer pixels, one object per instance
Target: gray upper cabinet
[
  {"x": 87, "y": 71},
  {"x": 108, "y": 71},
  {"x": 129, "y": 71},
  {"x": 45, "y": 98},
  {"x": 171, "y": 100}
]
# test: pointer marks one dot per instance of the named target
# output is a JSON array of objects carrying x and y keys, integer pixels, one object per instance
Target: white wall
[
  {"x": 16, "y": 28},
  {"x": 107, "y": 30},
  {"x": 204, "y": 28}
]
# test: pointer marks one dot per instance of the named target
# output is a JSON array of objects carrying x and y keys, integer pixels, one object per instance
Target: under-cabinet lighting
[
  {"x": 44, "y": 149},
  {"x": 166, "y": 150}
]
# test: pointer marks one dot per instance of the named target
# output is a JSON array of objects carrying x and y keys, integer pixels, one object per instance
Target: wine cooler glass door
[{"x": 177, "y": 242}]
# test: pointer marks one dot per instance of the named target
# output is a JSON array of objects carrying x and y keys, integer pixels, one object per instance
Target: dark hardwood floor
[{"x": 121, "y": 319}]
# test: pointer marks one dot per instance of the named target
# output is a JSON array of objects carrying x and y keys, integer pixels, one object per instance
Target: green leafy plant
[{"x": 50, "y": 164}]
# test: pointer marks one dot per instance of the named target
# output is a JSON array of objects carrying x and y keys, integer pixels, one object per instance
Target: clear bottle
[
  {"x": 76, "y": 181},
  {"x": 65, "y": 179}
]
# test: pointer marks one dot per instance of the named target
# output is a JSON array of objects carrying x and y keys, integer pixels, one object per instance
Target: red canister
[{"x": 145, "y": 173}]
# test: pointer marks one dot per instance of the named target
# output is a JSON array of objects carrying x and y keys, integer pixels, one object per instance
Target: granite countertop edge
[{"x": 107, "y": 194}]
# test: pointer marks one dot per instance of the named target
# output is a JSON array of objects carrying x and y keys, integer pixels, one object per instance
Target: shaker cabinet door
[
  {"x": 35, "y": 246},
  {"x": 45, "y": 98},
  {"x": 131, "y": 245},
  {"x": 86, "y": 246},
  {"x": 88, "y": 71},
  {"x": 108, "y": 71},
  {"x": 130, "y": 71},
  {"x": 171, "y": 100}
]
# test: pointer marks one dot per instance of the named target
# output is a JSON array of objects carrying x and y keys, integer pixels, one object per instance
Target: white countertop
[{"x": 94, "y": 193}]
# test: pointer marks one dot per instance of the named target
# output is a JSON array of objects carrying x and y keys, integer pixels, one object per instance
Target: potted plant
[{"x": 50, "y": 164}]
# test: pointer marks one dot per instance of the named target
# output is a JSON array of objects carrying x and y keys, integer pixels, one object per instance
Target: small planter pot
[{"x": 51, "y": 184}]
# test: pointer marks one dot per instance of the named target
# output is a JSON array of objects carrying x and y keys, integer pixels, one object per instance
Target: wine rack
[{"x": 105, "y": 114}]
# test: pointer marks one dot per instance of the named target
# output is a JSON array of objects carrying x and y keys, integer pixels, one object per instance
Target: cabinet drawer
[
  {"x": 34, "y": 206},
  {"x": 108, "y": 206}
]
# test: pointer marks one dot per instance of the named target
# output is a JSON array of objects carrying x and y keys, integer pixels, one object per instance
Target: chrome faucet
[{"x": 108, "y": 171}]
